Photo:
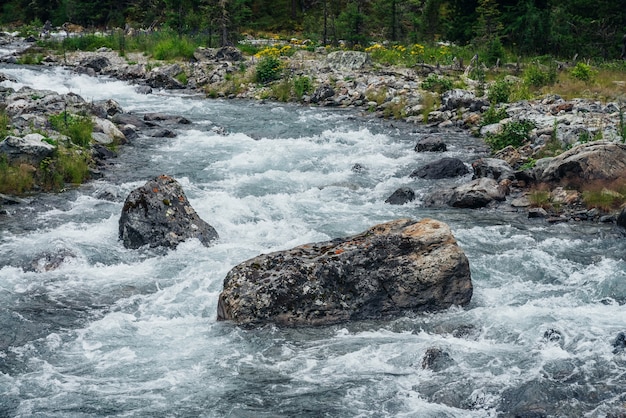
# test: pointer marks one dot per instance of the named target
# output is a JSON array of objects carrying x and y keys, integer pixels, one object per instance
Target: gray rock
[
  {"x": 436, "y": 359},
  {"x": 401, "y": 196},
  {"x": 322, "y": 93},
  {"x": 162, "y": 117},
  {"x": 456, "y": 98},
  {"x": 493, "y": 168},
  {"x": 95, "y": 62},
  {"x": 477, "y": 194},
  {"x": 227, "y": 53},
  {"x": 31, "y": 149},
  {"x": 592, "y": 161},
  {"x": 160, "y": 80},
  {"x": 443, "y": 168},
  {"x": 398, "y": 267},
  {"x": 158, "y": 214},
  {"x": 430, "y": 144},
  {"x": 348, "y": 60}
]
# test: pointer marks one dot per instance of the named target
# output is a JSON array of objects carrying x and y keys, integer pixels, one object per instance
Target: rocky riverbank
[{"x": 513, "y": 178}]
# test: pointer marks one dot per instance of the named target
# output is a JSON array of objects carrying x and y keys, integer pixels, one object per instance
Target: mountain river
[{"x": 90, "y": 329}]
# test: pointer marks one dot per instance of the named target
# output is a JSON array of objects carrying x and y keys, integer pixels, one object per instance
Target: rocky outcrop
[
  {"x": 390, "y": 269},
  {"x": 158, "y": 214},
  {"x": 443, "y": 168},
  {"x": 348, "y": 60},
  {"x": 31, "y": 149},
  {"x": 586, "y": 162}
]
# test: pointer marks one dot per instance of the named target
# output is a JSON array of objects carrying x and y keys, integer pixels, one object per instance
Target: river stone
[
  {"x": 493, "y": 168},
  {"x": 477, "y": 194},
  {"x": 430, "y": 144},
  {"x": 390, "y": 269},
  {"x": 158, "y": 214},
  {"x": 96, "y": 62},
  {"x": 591, "y": 161},
  {"x": 31, "y": 149},
  {"x": 401, "y": 196},
  {"x": 443, "y": 168}
]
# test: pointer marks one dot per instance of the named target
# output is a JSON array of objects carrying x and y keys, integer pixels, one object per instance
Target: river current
[{"x": 92, "y": 329}]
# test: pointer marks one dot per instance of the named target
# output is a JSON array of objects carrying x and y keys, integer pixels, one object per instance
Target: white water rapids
[{"x": 117, "y": 332}]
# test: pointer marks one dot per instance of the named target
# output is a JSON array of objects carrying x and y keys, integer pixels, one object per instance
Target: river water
[{"x": 92, "y": 329}]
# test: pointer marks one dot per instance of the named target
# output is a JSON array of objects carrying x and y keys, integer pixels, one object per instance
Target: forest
[{"x": 560, "y": 28}]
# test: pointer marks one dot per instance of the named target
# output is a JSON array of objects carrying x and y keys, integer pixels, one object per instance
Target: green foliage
[
  {"x": 540, "y": 198},
  {"x": 78, "y": 128},
  {"x": 499, "y": 92},
  {"x": 494, "y": 52},
  {"x": 436, "y": 83},
  {"x": 14, "y": 180},
  {"x": 514, "y": 133},
  {"x": 30, "y": 59},
  {"x": 5, "y": 124},
  {"x": 582, "y": 72},
  {"x": 173, "y": 47},
  {"x": 281, "y": 91},
  {"x": 493, "y": 115},
  {"x": 536, "y": 75},
  {"x": 302, "y": 85},
  {"x": 268, "y": 69}
]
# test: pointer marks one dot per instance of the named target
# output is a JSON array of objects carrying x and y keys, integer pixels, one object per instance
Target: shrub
[
  {"x": 499, "y": 92},
  {"x": 513, "y": 133},
  {"x": 536, "y": 75},
  {"x": 15, "y": 180},
  {"x": 5, "y": 125},
  {"x": 494, "y": 52},
  {"x": 302, "y": 85},
  {"x": 540, "y": 197},
  {"x": 282, "y": 91},
  {"x": 582, "y": 72},
  {"x": 268, "y": 69},
  {"x": 78, "y": 128},
  {"x": 173, "y": 47},
  {"x": 436, "y": 83},
  {"x": 493, "y": 115}
]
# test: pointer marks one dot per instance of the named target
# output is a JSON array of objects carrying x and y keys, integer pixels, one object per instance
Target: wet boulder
[
  {"x": 401, "y": 196},
  {"x": 31, "y": 149},
  {"x": 390, "y": 269},
  {"x": 477, "y": 193},
  {"x": 430, "y": 144},
  {"x": 443, "y": 168},
  {"x": 158, "y": 214},
  {"x": 95, "y": 62}
]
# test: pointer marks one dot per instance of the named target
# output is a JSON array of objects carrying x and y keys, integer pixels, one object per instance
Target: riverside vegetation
[{"x": 410, "y": 82}]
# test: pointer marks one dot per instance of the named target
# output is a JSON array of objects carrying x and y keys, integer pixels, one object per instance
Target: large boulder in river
[
  {"x": 443, "y": 168},
  {"x": 390, "y": 269},
  {"x": 158, "y": 214},
  {"x": 586, "y": 162}
]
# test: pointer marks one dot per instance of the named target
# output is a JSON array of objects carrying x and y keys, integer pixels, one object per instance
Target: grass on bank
[{"x": 64, "y": 167}]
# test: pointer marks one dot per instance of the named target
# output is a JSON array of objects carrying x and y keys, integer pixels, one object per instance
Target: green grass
[{"x": 78, "y": 128}]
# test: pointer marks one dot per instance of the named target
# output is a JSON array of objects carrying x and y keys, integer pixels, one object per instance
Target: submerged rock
[
  {"x": 158, "y": 214},
  {"x": 390, "y": 269}
]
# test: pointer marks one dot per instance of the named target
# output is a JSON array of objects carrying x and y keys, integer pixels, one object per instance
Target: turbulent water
[{"x": 90, "y": 328}]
